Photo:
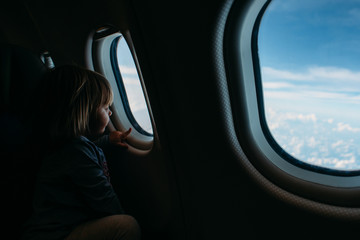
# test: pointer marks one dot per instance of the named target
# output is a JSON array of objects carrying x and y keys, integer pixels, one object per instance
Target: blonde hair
[{"x": 73, "y": 95}]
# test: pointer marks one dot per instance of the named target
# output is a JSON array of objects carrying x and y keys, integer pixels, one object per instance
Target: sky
[{"x": 310, "y": 67}]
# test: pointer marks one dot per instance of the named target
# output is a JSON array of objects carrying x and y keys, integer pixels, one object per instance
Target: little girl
[{"x": 73, "y": 196}]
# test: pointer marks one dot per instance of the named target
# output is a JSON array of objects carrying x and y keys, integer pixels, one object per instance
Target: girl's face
[{"x": 101, "y": 119}]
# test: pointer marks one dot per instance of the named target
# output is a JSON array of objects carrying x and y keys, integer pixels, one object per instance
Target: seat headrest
[{"x": 20, "y": 71}]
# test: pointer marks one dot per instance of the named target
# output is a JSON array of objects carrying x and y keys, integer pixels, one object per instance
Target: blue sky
[
  {"x": 311, "y": 32},
  {"x": 309, "y": 53}
]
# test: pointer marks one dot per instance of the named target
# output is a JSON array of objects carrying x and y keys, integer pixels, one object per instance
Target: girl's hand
[{"x": 118, "y": 138}]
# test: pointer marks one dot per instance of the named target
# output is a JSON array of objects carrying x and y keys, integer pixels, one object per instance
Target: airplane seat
[{"x": 20, "y": 71}]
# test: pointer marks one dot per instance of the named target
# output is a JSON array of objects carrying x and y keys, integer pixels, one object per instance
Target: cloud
[
  {"x": 318, "y": 73},
  {"x": 272, "y": 73},
  {"x": 127, "y": 70},
  {"x": 329, "y": 120},
  {"x": 136, "y": 103},
  {"x": 307, "y": 117},
  {"x": 333, "y": 162},
  {"x": 335, "y": 73},
  {"x": 338, "y": 85},
  {"x": 282, "y": 94},
  {"x": 296, "y": 145},
  {"x": 337, "y": 143},
  {"x": 299, "y": 116},
  {"x": 302, "y": 95},
  {"x": 280, "y": 120},
  {"x": 131, "y": 80},
  {"x": 345, "y": 163},
  {"x": 341, "y": 127},
  {"x": 277, "y": 85},
  {"x": 312, "y": 142},
  {"x": 324, "y": 142},
  {"x": 326, "y": 95}
]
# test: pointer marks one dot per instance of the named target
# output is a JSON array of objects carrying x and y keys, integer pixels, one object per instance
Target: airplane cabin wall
[
  {"x": 191, "y": 185},
  {"x": 60, "y": 27},
  {"x": 220, "y": 200}
]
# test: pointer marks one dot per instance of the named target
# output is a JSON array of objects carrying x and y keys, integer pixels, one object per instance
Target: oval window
[
  {"x": 129, "y": 84},
  {"x": 310, "y": 74}
]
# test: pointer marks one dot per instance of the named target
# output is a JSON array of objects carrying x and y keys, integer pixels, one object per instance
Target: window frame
[
  {"x": 99, "y": 57},
  {"x": 251, "y": 142}
]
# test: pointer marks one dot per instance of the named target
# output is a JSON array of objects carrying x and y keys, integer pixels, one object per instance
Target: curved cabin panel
[{"x": 207, "y": 170}]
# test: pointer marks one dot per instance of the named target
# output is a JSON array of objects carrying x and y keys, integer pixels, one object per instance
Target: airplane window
[
  {"x": 108, "y": 52},
  {"x": 309, "y": 60},
  {"x": 130, "y": 87},
  {"x": 287, "y": 75}
]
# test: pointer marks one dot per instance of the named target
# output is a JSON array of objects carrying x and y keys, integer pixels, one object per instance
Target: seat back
[{"x": 20, "y": 72}]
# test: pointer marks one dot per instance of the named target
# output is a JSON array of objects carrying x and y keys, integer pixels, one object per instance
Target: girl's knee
[
  {"x": 115, "y": 227},
  {"x": 127, "y": 227}
]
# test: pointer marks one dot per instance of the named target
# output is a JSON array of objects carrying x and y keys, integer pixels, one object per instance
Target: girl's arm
[
  {"x": 115, "y": 138},
  {"x": 118, "y": 138}
]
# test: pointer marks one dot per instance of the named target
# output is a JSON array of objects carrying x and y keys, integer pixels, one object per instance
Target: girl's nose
[{"x": 110, "y": 113}]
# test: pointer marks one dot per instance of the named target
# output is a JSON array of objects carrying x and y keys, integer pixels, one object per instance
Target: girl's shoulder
[
  {"x": 76, "y": 150},
  {"x": 83, "y": 144},
  {"x": 76, "y": 153}
]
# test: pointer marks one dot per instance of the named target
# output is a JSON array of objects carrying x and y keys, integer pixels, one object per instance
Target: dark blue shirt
[{"x": 72, "y": 188}]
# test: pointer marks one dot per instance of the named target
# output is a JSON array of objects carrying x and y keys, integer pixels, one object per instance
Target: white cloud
[
  {"x": 307, "y": 117},
  {"x": 337, "y": 143},
  {"x": 131, "y": 80},
  {"x": 333, "y": 162},
  {"x": 277, "y": 85},
  {"x": 319, "y": 141},
  {"x": 344, "y": 163},
  {"x": 315, "y": 161},
  {"x": 312, "y": 142},
  {"x": 273, "y": 125},
  {"x": 301, "y": 117},
  {"x": 281, "y": 120},
  {"x": 272, "y": 73},
  {"x": 299, "y": 94},
  {"x": 312, "y": 73},
  {"x": 313, "y": 85},
  {"x": 333, "y": 73},
  {"x": 326, "y": 95},
  {"x": 136, "y": 104},
  {"x": 341, "y": 127},
  {"x": 296, "y": 145},
  {"x": 127, "y": 70},
  {"x": 286, "y": 95}
]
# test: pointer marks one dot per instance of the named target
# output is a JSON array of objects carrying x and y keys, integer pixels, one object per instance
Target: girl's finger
[{"x": 125, "y": 134}]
